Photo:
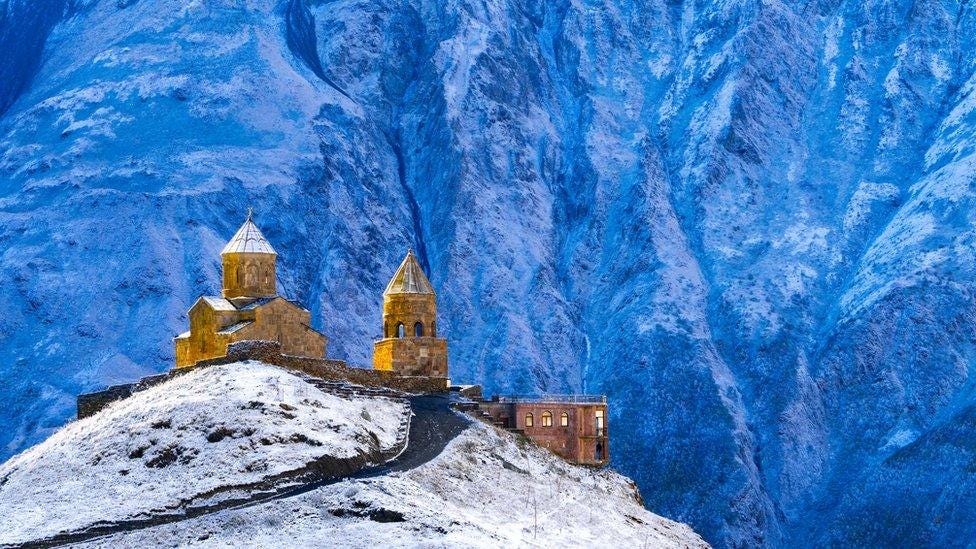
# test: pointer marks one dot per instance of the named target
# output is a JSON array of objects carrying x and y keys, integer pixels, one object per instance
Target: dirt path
[{"x": 433, "y": 425}]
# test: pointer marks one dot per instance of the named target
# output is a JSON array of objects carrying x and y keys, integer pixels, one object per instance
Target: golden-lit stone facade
[
  {"x": 249, "y": 264},
  {"x": 250, "y": 308},
  {"x": 410, "y": 345}
]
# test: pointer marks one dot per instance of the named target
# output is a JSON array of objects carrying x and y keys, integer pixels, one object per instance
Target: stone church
[
  {"x": 410, "y": 345},
  {"x": 249, "y": 307}
]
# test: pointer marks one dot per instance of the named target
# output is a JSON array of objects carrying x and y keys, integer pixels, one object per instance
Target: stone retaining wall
[{"x": 270, "y": 353}]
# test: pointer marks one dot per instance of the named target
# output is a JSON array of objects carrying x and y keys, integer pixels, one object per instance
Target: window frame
[
  {"x": 564, "y": 419},
  {"x": 547, "y": 418},
  {"x": 529, "y": 420}
]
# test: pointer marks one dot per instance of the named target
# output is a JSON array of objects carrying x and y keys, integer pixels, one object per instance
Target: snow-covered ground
[
  {"x": 487, "y": 489},
  {"x": 223, "y": 426}
]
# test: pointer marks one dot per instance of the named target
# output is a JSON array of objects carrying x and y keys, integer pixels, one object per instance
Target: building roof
[
  {"x": 234, "y": 327},
  {"x": 247, "y": 304},
  {"x": 409, "y": 278},
  {"x": 219, "y": 303},
  {"x": 248, "y": 240}
]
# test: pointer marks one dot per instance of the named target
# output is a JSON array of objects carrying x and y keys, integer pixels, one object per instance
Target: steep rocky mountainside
[{"x": 749, "y": 222}]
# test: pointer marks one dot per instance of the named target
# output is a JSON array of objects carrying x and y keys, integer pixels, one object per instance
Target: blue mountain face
[{"x": 750, "y": 223}]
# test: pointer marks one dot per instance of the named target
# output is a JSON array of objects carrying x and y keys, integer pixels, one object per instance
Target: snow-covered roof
[
  {"x": 258, "y": 302},
  {"x": 248, "y": 240},
  {"x": 409, "y": 278},
  {"x": 219, "y": 303},
  {"x": 234, "y": 327}
]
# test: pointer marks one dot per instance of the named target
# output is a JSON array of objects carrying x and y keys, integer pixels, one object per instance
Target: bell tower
[
  {"x": 410, "y": 345},
  {"x": 249, "y": 264}
]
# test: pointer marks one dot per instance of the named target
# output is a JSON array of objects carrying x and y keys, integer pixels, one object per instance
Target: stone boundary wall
[{"x": 270, "y": 353}]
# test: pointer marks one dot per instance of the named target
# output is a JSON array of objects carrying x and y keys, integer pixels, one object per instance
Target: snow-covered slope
[
  {"x": 485, "y": 490},
  {"x": 201, "y": 433},
  {"x": 750, "y": 222}
]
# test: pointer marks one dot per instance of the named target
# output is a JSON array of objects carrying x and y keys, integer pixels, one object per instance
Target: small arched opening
[
  {"x": 418, "y": 329},
  {"x": 564, "y": 420},
  {"x": 547, "y": 419},
  {"x": 399, "y": 330},
  {"x": 529, "y": 420}
]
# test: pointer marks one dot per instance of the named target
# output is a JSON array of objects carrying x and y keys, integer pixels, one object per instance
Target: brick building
[
  {"x": 572, "y": 426},
  {"x": 410, "y": 345},
  {"x": 249, "y": 307}
]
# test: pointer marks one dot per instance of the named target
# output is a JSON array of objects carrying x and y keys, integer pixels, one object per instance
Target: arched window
[
  {"x": 267, "y": 276},
  {"x": 547, "y": 419},
  {"x": 399, "y": 329},
  {"x": 386, "y": 329},
  {"x": 418, "y": 329},
  {"x": 433, "y": 328},
  {"x": 239, "y": 275},
  {"x": 564, "y": 420},
  {"x": 529, "y": 421}
]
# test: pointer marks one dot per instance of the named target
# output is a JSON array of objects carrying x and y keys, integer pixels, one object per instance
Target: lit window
[
  {"x": 564, "y": 420},
  {"x": 547, "y": 419},
  {"x": 399, "y": 329},
  {"x": 528, "y": 420}
]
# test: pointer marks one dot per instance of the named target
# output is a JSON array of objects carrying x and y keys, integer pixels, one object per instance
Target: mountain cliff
[{"x": 749, "y": 222}]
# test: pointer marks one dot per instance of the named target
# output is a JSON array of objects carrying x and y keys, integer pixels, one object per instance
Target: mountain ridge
[{"x": 747, "y": 222}]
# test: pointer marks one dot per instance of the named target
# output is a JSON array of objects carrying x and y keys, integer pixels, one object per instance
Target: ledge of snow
[{"x": 216, "y": 427}]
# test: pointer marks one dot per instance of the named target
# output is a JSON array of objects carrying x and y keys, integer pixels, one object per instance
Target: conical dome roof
[
  {"x": 409, "y": 278},
  {"x": 248, "y": 240}
]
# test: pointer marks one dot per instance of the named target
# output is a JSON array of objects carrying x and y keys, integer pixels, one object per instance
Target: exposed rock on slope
[{"x": 199, "y": 434}]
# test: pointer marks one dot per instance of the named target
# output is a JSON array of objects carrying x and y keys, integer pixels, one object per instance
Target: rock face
[{"x": 748, "y": 222}]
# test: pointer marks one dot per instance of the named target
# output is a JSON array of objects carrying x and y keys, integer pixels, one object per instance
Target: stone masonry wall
[{"x": 270, "y": 352}]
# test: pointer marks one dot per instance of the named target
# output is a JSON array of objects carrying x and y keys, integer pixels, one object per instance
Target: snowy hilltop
[
  {"x": 247, "y": 452},
  {"x": 749, "y": 223}
]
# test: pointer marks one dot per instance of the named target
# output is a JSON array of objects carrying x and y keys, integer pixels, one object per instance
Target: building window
[
  {"x": 529, "y": 421},
  {"x": 547, "y": 419},
  {"x": 599, "y": 423},
  {"x": 267, "y": 276},
  {"x": 564, "y": 419},
  {"x": 433, "y": 328},
  {"x": 418, "y": 329},
  {"x": 239, "y": 275},
  {"x": 399, "y": 329}
]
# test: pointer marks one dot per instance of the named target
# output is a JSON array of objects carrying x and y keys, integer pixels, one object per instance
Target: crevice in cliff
[{"x": 300, "y": 35}]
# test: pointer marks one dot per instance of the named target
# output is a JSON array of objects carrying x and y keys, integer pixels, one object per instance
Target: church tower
[
  {"x": 249, "y": 264},
  {"x": 410, "y": 345}
]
